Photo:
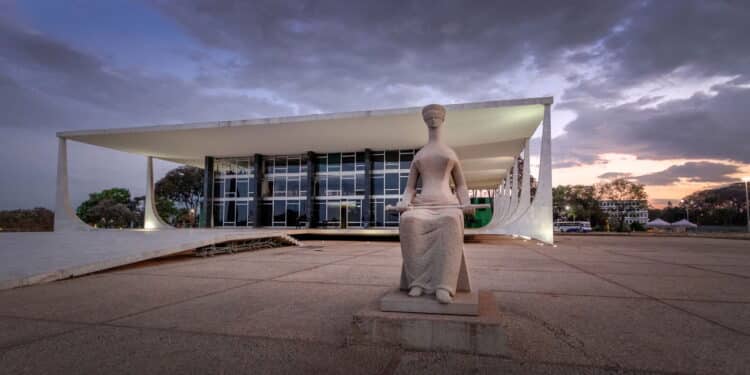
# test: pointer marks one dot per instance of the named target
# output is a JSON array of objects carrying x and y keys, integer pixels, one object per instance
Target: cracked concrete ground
[{"x": 588, "y": 305}]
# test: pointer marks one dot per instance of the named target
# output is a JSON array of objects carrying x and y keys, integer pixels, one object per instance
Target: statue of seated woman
[{"x": 432, "y": 222}]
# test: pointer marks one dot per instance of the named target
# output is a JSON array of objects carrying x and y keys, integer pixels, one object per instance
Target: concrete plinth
[
  {"x": 399, "y": 301},
  {"x": 481, "y": 334}
]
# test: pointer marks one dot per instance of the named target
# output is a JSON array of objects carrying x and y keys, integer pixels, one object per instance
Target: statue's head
[{"x": 433, "y": 115}]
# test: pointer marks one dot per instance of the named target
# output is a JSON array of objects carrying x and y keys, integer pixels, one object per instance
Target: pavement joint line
[
  {"x": 562, "y": 335},
  {"x": 682, "y": 265},
  {"x": 154, "y": 308},
  {"x": 393, "y": 363},
  {"x": 554, "y": 294},
  {"x": 329, "y": 283},
  {"x": 189, "y": 276},
  {"x": 345, "y": 345},
  {"x": 662, "y": 301}
]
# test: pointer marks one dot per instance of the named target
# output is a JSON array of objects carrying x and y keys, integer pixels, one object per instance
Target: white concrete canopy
[{"x": 487, "y": 136}]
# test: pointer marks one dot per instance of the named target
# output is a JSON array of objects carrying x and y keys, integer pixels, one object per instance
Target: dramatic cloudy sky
[{"x": 658, "y": 91}]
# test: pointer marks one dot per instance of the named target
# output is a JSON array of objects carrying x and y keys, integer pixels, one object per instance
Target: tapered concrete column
[
  {"x": 312, "y": 218},
  {"x": 65, "y": 217},
  {"x": 151, "y": 218},
  {"x": 536, "y": 221},
  {"x": 207, "y": 205},
  {"x": 258, "y": 197},
  {"x": 366, "y": 204}
]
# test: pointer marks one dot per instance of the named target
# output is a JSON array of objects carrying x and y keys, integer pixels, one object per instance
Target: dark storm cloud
[
  {"x": 702, "y": 126},
  {"x": 296, "y": 57},
  {"x": 693, "y": 172},
  {"x": 389, "y": 52}
]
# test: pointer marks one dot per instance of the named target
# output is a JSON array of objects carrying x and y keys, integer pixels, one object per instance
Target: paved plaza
[{"x": 589, "y": 305}]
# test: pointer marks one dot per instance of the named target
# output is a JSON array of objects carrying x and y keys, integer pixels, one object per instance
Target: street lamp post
[
  {"x": 687, "y": 214},
  {"x": 747, "y": 202}
]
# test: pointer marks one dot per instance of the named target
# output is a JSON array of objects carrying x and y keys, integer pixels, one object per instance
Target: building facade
[
  {"x": 337, "y": 170},
  {"x": 632, "y": 211},
  {"x": 331, "y": 190}
]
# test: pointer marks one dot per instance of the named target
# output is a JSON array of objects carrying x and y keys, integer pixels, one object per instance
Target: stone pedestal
[
  {"x": 475, "y": 334},
  {"x": 399, "y": 301}
]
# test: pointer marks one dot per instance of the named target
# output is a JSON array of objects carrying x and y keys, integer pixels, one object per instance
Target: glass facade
[
  {"x": 234, "y": 192},
  {"x": 339, "y": 189}
]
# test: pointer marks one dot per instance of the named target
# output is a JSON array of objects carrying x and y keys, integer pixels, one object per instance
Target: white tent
[
  {"x": 658, "y": 224},
  {"x": 684, "y": 224}
]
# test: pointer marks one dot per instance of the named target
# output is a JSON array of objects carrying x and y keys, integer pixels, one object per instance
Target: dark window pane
[
  {"x": 334, "y": 162},
  {"x": 292, "y": 188},
  {"x": 406, "y": 161},
  {"x": 333, "y": 209},
  {"x": 267, "y": 214},
  {"x": 391, "y": 181},
  {"x": 403, "y": 181},
  {"x": 241, "y": 215},
  {"x": 391, "y": 159},
  {"x": 379, "y": 217},
  {"x": 279, "y": 186},
  {"x": 268, "y": 166},
  {"x": 354, "y": 212},
  {"x": 347, "y": 186},
  {"x": 347, "y": 163},
  {"x": 292, "y": 213},
  {"x": 218, "y": 215},
  {"x": 280, "y": 164},
  {"x": 334, "y": 185},
  {"x": 229, "y": 211},
  {"x": 230, "y": 187},
  {"x": 218, "y": 190},
  {"x": 242, "y": 188},
  {"x": 360, "y": 161},
  {"x": 279, "y": 211},
  {"x": 302, "y": 212},
  {"x": 320, "y": 208},
  {"x": 378, "y": 162},
  {"x": 321, "y": 186},
  {"x": 321, "y": 162},
  {"x": 293, "y": 166},
  {"x": 378, "y": 185}
]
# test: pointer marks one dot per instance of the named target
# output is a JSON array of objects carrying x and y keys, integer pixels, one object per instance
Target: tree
[
  {"x": 114, "y": 195},
  {"x": 110, "y": 214},
  {"x": 626, "y": 197},
  {"x": 573, "y": 202},
  {"x": 38, "y": 219},
  {"x": 183, "y": 186}
]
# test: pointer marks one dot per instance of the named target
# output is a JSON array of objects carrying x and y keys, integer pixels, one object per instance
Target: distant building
[{"x": 634, "y": 211}]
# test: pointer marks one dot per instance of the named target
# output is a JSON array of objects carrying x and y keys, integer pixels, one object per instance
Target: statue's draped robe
[{"x": 432, "y": 243}]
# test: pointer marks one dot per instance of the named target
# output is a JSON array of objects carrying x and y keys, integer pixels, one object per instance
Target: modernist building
[
  {"x": 338, "y": 170},
  {"x": 632, "y": 211}
]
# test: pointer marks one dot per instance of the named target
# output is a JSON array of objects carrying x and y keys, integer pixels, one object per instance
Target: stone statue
[{"x": 432, "y": 222}]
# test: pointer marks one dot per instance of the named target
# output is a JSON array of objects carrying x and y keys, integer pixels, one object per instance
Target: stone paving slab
[
  {"x": 637, "y": 333},
  {"x": 17, "y": 331},
  {"x": 104, "y": 297},
  {"x": 349, "y": 274},
  {"x": 269, "y": 309},
  {"x": 545, "y": 282},
  {"x": 120, "y": 350}
]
